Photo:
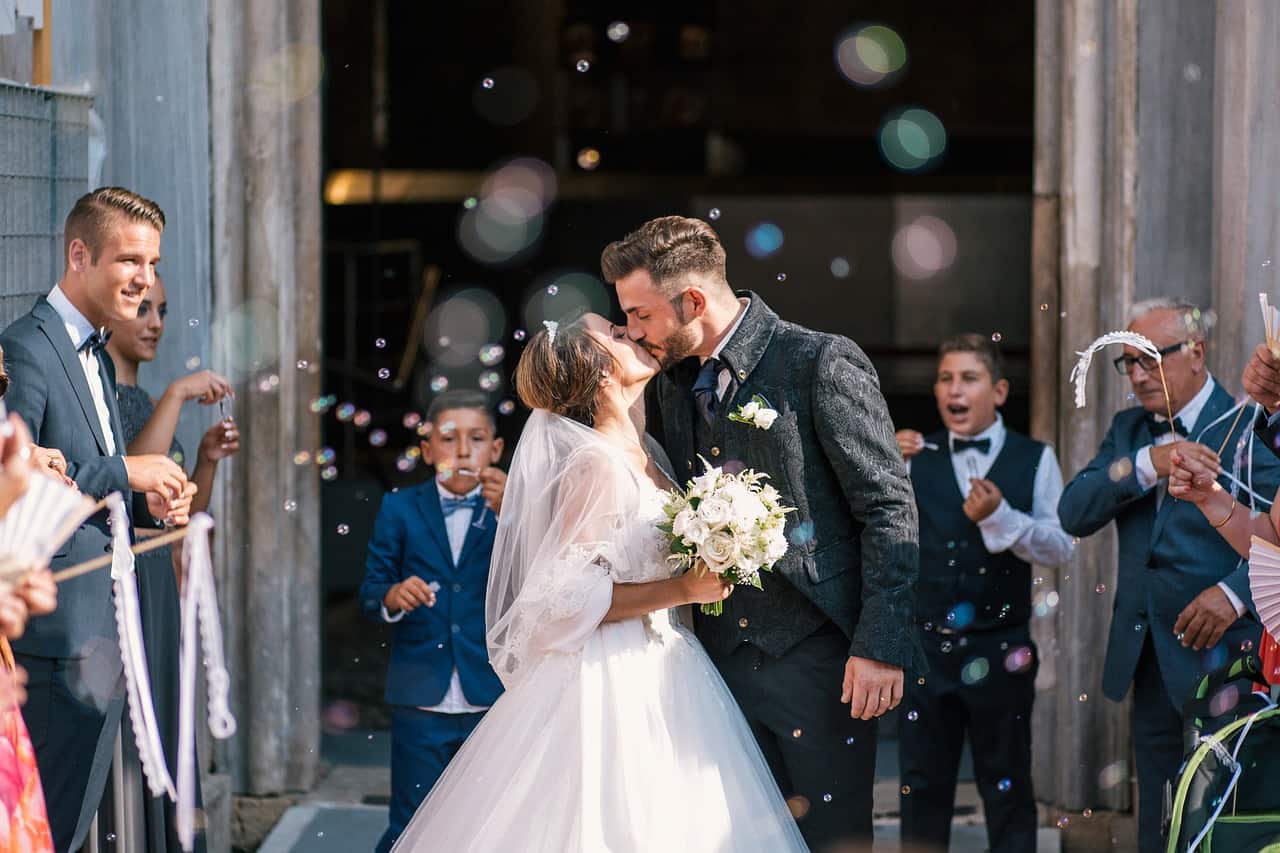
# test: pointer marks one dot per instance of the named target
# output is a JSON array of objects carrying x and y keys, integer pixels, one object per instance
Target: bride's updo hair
[{"x": 563, "y": 373}]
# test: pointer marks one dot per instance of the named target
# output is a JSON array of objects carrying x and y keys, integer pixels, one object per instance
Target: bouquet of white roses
[{"x": 732, "y": 523}]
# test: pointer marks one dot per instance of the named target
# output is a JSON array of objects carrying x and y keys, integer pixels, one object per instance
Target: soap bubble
[
  {"x": 343, "y": 529},
  {"x": 378, "y": 437},
  {"x": 506, "y": 407},
  {"x": 618, "y": 31},
  {"x": 583, "y": 66},
  {"x": 713, "y": 214}
]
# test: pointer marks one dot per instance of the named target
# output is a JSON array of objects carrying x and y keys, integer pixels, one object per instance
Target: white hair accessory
[{"x": 552, "y": 328}]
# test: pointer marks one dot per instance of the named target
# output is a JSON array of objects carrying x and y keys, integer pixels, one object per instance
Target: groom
[{"x": 818, "y": 654}]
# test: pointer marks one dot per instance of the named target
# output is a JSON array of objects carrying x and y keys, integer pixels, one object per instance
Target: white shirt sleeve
[
  {"x": 1233, "y": 598},
  {"x": 387, "y": 617},
  {"x": 1144, "y": 470},
  {"x": 1037, "y": 537}
]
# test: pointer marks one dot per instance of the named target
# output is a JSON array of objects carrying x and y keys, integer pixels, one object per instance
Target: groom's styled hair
[{"x": 669, "y": 248}]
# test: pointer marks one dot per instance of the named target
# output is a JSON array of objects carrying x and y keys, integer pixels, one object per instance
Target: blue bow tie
[
  {"x": 982, "y": 445},
  {"x": 451, "y": 505},
  {"x": 96, "y": 342}
]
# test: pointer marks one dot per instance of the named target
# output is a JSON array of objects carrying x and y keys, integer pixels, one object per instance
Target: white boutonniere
[{"x": 756, "y": 413}]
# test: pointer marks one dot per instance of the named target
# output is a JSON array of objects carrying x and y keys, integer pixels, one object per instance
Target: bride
[{"x": 615, "y": 732}]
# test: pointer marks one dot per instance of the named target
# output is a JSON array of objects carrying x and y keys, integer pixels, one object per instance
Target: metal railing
[{"x": 44, "y": 168}]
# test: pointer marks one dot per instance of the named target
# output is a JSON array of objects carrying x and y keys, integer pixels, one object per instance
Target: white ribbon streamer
[
  {"x": 142, "y": 712},
  {"x": 199, "y": 605},
  {"x": 1081, "y": 370}
]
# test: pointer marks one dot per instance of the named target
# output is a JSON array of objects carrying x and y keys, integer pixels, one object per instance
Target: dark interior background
[{"x": 737, "y": 107}]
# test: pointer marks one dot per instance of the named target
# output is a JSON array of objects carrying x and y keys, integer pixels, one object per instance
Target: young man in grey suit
[
  {"x": 1182, "y": 594},
  {"x": 818, "y": 654},
  {"x": 63, "y": 387}
]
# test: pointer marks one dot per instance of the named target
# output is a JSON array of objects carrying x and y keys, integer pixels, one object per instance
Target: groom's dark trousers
[
  {"x": 821, "y": 758},
  {"x": 844, "y": 587}
]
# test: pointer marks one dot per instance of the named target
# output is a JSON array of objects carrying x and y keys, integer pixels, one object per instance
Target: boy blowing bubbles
[
  {"x": 464, "y": 448},
  {"x": 426, "y": 572}
]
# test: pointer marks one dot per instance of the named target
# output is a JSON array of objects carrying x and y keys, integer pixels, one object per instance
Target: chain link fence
[{"x": 44, "y": 168}]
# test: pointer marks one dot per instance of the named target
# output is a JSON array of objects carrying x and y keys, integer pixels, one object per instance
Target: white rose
[
  {"x": 749, "y": 410},
  {"x": 715, "y": 511},
  {"x": 765, "y": 418},
  {"x": 680, "y": 524},
  {"x": 697, "y": 531},
  {"x": 705, "y": 484},
  {"x": 748, "y": 508},
  {"x": 777, "y": 547},
  {"x": 720, "y": 551}
]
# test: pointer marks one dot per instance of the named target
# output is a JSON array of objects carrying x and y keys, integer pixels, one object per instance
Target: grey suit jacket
[
  {"x": 832, "y": 454},
  {"x": 48, "y": 389}
]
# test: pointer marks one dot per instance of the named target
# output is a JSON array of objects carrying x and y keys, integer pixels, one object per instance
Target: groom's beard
[{"x": 676, "y": 348}]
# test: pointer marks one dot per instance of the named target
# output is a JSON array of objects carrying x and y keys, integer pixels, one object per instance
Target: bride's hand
[{"x": 704, "y": 587}]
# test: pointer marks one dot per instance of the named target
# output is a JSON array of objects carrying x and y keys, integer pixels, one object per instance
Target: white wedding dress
[{"x": 617, "y": 736}]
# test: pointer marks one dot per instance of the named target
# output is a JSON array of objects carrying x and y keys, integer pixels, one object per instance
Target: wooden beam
[{"x": 42, "y": 49}]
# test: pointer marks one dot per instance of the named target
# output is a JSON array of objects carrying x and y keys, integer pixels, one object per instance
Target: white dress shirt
[
  {"x": 726, "y": 376},
  {"x": 79, "y": 329},
  {"x": 1036, "y": 537},
  {"x": 1145, "y": 471},
  {"x": 455, "y": 525}
]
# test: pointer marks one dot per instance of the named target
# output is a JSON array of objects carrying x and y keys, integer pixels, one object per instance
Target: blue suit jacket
[
  {"x": 1167, "y": 556},
  {"x": 48, "y": 389},
  {"x": 409, "y": 538}
]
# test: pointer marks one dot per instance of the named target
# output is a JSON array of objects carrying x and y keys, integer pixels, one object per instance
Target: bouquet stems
[{"x": 715, "y": 608}]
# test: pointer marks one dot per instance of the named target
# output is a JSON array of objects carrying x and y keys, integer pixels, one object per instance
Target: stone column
[
  {"x": 1246, "y": 177},
  {"x": 265, "y": 75}
]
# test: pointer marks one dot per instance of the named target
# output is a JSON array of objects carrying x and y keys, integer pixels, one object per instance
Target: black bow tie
[
  {"x": 959, "y": 445},
  {"x": 1159, "y": 428},
  {"x": 96, "y": 342}
]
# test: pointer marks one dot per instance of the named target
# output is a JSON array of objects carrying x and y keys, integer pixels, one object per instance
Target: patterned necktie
[
  {"x": 982, "y": 445},
  {"x": 451, "y": 505},
  {"x": 704, "y": 390},
  {"x": 96, "y": 342}
]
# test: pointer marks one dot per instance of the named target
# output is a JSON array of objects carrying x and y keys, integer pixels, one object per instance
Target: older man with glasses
[{"x": 1182, "y": 602}]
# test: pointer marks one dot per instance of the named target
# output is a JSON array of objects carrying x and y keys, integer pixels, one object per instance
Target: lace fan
[{"x": 37, "y": 524}]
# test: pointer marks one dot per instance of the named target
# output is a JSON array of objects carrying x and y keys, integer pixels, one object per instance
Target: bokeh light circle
[
  {"x": 912, "y": 140},
  {"x": 924, "y": 247},
  {"x": 565, "y": 294},
  {"x": 764, "y": 239},
  {"x": 506, "y": 223},
  {"x": 870, "y": 56},
  {"x": 473, "y": 317}
]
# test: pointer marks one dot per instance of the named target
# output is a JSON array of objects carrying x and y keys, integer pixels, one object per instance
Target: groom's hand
[{"x": 871, "y": 688}]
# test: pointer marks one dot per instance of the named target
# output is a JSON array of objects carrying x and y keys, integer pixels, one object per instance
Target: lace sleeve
[{"x": 555, "y": 561}]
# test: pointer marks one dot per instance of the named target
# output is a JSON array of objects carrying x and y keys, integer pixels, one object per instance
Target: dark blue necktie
[
  {"x": 982, "y": 445},
  {"x": 704, "y": 390},
  {"x": 1159, "y": 428},
  {"x": 96, "y": 342},
  {"x": 451, "y": 505}
]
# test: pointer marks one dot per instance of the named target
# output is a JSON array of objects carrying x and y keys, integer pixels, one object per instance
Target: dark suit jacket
[
  {"x": 428, "y": 643},
  {"x": 832, "y": 454},
  {"x": 1167, "y": 556},
  {"x": 48, "y": 389}
]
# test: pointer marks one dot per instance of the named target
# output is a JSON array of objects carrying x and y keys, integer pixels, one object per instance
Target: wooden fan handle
[{"x": 105, "y": 560}]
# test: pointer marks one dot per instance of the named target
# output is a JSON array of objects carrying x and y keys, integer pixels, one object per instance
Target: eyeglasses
[{"x": 1124, "y": 364}]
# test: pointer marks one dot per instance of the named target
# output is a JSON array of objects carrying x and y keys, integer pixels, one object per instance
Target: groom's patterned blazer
[{"x": 854, "y": 551}]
